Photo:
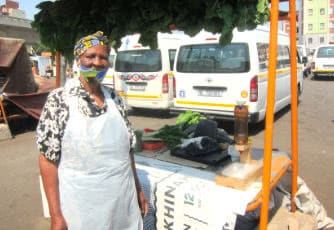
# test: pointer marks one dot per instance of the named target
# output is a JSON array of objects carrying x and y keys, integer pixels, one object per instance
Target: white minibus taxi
[
  {"x": 305, "y": 55},
  {"x": 143, "y": 76},
  {"x": 322, "y": 64},
  {"x": 212, "y": 79},
  {"x": 108, "y": 80}
]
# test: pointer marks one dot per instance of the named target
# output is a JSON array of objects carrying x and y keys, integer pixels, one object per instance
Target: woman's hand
[
  {"x": 143, "y": 205},
  {"x": 58, "y": 223}
]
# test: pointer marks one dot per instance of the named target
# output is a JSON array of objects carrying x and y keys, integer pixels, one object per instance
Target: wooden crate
[{"x": 239, "y": 175}]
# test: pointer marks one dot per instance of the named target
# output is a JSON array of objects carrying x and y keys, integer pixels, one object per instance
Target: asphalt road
[{"x": 20, "y": 202}]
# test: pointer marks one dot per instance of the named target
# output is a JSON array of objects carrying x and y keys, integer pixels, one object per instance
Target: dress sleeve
[{"x": 50, "y": 128}]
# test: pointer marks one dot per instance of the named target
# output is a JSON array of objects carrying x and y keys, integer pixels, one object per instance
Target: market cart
[{"x": 274, "y": 168}]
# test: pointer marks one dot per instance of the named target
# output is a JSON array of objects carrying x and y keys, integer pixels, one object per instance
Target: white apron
[{"x": 96, "y": 183}]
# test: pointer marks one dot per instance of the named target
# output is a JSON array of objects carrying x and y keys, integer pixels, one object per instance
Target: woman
[{"x": 85, "y": 139}]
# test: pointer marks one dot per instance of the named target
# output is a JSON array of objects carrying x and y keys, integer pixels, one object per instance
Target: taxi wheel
[
  {"x": 299, "y": 92},
  {"x": 314, "y": 76}
]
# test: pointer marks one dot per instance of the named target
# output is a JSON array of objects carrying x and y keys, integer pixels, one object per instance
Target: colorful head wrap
[{"x": 89, "y": 41}]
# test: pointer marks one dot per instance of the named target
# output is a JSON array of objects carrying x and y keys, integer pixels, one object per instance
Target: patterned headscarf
[{"x": 89, "y": 41}]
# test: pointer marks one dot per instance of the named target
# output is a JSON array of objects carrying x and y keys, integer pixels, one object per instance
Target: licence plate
[
  {"x": 210, "y": 93},
  {"x": 328, "y": 66},
  {"x": 137, "y": 87}
]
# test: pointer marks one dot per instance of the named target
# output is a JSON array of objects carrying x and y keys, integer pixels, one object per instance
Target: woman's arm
[
  {"x": 143, "y": 205},
  {"x": 49, "y": 173}
]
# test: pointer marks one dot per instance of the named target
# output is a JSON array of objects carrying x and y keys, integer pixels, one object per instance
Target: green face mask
[{"x": 92, "y": 75}]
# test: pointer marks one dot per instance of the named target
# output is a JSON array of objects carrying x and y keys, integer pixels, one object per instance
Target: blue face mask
[{"x": 92, "y": 74}]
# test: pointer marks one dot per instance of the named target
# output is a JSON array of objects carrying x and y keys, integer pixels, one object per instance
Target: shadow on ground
[{"x": 22, "y": 125}]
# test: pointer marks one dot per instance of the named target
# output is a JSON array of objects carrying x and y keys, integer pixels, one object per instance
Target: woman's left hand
[{"x": 143, "y": 205}]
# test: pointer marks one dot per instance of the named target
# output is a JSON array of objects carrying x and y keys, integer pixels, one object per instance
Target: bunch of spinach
[
  {"x": 61, "y": 22},
  {"x": 172, "y": 135}
]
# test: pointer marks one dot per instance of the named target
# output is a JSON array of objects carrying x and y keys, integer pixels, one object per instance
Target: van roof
[
  {"x": 328, "y": 45},
  {"x": 208, "y": 37},
  {"x": 169, "y": 40}
]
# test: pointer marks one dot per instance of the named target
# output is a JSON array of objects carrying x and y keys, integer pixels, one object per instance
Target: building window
[
  {"x": 332, "y": 10},
  {"x": 309, "y": 41},
  {"x": 331, "y": 24},
  {"x": 309, "y": 26},
  {"x": 310, "y": 12},
  {"x": 322, "y": 26},
  {"x": 322, "y": 40},
  {"x": 322, "y": 11}
]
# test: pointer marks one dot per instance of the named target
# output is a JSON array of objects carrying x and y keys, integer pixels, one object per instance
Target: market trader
[{"x": 86, "y": 144}]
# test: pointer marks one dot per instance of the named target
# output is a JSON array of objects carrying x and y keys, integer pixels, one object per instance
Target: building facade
[
  {"x": 11, "y": 9},
  {"x": 317, "y": 22},
  {"x": 331, "y": 21},
  {"x": 14, "y": 24}
]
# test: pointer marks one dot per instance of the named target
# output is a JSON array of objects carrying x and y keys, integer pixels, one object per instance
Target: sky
[{"x": 29, "y": 6}]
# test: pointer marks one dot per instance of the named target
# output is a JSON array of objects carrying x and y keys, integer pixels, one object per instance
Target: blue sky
[{"x": 29, "y": 6}]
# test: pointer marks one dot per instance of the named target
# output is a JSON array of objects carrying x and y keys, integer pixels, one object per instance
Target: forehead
[{"x": 99, "y": 49}]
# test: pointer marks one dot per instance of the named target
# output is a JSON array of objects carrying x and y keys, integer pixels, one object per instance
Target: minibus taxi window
[
  {"x": 263, "y": 55},
  {"x": 213, "y": 58},
  {"x": 283, "y": 57},
  {"x": 111, "y": 60},
  {"x": 171, "y": 55},
  {"x": 138, "y": 61},
  {"x": 325, "y": 52}
]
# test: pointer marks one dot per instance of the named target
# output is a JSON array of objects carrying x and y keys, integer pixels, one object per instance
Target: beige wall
[{"x": 18, "y": 28}]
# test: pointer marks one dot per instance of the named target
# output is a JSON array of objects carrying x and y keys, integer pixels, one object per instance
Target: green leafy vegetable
[
  {"x": 60, "y": 23},
  {"x": 172, "y": 135},
  {"x": 189, "y": 118}
]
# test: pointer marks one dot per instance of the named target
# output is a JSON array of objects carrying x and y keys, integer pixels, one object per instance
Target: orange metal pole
[
  {"x": 294, "y": 103},
  {"x": 269, "y": 114},
  {"x": 3, "y": 113},
  {"x": 58, "y": 69}
]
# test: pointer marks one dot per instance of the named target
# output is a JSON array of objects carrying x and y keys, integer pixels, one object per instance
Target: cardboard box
[{"x": 150, "y": 172}]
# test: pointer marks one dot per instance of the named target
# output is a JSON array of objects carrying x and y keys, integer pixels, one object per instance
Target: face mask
[{"x": 92, "y": 75}]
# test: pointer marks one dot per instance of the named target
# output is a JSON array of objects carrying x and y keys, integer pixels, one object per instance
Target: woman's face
[{"x": 95, "y": 57}]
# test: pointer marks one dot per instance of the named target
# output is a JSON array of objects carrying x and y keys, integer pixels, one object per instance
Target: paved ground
[
  {"x": 20, "y": 200},
  {"x": 20, "y": 194}
]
